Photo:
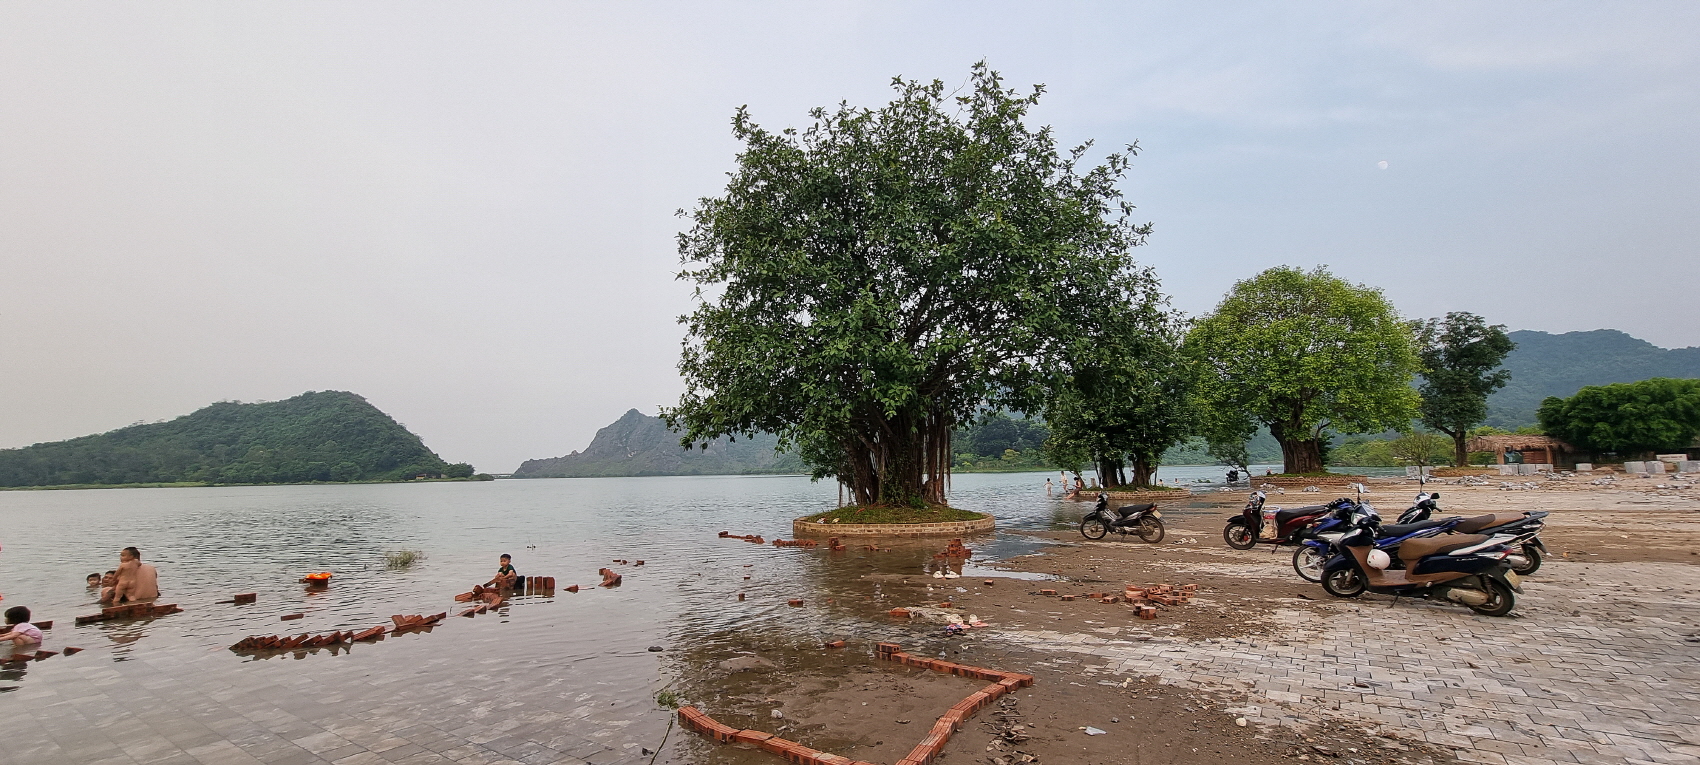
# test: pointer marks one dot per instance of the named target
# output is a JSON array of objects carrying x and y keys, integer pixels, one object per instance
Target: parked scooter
[
  {"x": 1257, "y": 524},
  {"x": 1143, "y": 521},
  {"x": 1319, "y": 543},
  {"x": 1527, "y": 550},
  {"x": 1468, "y": 568}
]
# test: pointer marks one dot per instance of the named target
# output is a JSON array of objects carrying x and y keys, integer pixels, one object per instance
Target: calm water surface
[{"x": 588, "y": 648}]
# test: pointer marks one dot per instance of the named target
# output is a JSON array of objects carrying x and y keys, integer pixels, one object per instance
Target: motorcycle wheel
[
  {"x": 1308, "y": 561},
  {"x": 1094, "y": 528},
  {"x": 1344, "y": 583},
  {"x": 1532, "y": 561},
  {"x": 1239, "y": 536},
  {"x": 1500, "y": 598},
  {"x": 1150, "y": 530}
]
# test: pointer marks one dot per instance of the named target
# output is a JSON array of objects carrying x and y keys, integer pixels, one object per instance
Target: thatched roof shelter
[
  {"x": 1517, "y": 442},
  {"x": 1515, "y": 448}
]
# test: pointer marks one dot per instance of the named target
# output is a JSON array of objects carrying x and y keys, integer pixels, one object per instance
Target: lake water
[{"x": 579, "y": 661}]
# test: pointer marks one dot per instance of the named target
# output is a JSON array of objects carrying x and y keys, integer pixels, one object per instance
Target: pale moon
[{"x": 1382, "y": 164}]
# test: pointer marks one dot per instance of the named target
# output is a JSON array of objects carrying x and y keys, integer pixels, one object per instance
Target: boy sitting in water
[
  {"x": 19, "y": 631},
  {"x": 505, "y": 575}
]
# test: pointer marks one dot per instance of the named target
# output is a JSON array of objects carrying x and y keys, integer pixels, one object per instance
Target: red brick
[
  {"x": 886, "y": 648},
  {"x": 795, "y": 602},
  {"x": 291, "y": 617},
  {"x": 1068, "y": 597},
  {"x": 1047, "y": 592},
  {"x": 835, "y": 644},
  {"x": 751, "y": 737},
  {"x": 70, "y": 651},
  {"x": 901, "y": 613}
]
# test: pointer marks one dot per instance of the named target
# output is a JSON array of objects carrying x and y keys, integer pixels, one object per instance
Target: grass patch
[
  {"x": 402, "y": 558},
  {"x": 883, "y": 514},
  {"x": 667, "y": 700}
]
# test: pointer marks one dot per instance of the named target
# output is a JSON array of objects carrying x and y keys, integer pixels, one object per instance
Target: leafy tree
[
  {"x": 1627, "y": 418},
  {"x": 1461, "y": 356},
  {"x": 882, "y": 275},
  {"x": 1419, "y": 448},
  {"x": 1305, "y": 353},
  {"x": 1129, "y": 400}
]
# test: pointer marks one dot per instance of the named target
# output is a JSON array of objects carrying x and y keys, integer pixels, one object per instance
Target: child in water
[
  {"x": 505, "y": 574},
  {"x": 19, "y": 631}
]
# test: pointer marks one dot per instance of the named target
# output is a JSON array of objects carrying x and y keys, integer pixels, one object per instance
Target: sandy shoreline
[{"x": 1565, "y": 679}]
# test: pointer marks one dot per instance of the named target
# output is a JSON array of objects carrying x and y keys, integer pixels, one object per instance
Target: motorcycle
[
  {"x": 1469, "y": 569},
  {"x": 1318, "y": 543},
  {"x": 1143, "y": 521},
  {"x": 1257, "y": 524},
  {"x": 1528, "y": 550}
]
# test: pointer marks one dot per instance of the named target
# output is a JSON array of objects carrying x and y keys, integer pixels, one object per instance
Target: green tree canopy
[
  {"x": 1304, "y": 353},
  {"x": 1627, "y": 418},
  {"x": 870, "y": 281},
  {"x": 1129, "y": 400},
  {"x": 1461, "y": 356}
]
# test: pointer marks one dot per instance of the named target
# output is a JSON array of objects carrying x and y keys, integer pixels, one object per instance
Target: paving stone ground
[
  {"x": 199, "y": 711},
  {"x": 1594, "y": 667}
]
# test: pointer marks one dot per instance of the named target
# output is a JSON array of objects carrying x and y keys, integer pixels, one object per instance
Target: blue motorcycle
[{"x": 1469, "y": 569}]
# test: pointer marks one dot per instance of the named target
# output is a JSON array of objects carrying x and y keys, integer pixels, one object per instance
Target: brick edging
[
  {"x": 800, "y": 527},
  {"x": 924, "y": 753}
]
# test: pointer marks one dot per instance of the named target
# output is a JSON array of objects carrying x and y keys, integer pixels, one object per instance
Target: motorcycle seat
[
  {"x": 1283, "y": 516},
  {"x": 1473, "y": 525},
  {"x": 1417, "y": 549},
  {"x": 1401, "y": 529},
  {"x": 1127, "y": 510}
]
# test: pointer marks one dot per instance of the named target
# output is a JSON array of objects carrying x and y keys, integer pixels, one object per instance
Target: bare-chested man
[{"x": 137, "y": 581}]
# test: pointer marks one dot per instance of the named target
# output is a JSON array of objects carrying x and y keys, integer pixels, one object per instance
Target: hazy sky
[{"x": 464, "y": 211}]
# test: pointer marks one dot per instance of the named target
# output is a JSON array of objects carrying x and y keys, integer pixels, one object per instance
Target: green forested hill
[
  {"x": 1546, "y": 364},
  {"x": 316, "y": 436},
  {"x": 639, "y": 445}
]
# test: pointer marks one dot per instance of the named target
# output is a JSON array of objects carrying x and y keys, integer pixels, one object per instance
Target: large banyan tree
[{"x": 871, "y": 280}]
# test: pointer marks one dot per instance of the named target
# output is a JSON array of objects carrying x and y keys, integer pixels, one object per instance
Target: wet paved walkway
[
  {"x": 1604, "y": 676},
  {"x": 322, "y": 709}
]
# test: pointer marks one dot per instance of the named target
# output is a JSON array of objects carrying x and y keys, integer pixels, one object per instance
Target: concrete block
[
  {"x": 1508, "y": 470},
  {"x": 1634, "y": 467},
  {"x": 1584, "y": 467},
  {"x": 1656, "y": 467},
  {"x": 1688, "y": 466},
  {"x": 1671, "y": 459}
]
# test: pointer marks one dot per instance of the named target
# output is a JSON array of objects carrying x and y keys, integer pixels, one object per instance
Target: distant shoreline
[{"x": 203, "y": 484}]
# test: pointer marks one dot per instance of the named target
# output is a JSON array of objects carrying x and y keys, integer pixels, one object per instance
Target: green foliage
[
  {"x": 322, "y": 436},
  {"x": 1303, "y": 354},
  {"x": 1129, "y": 399},
  {"x": 1415, "y": 448},
  {"x": 1546, "y": 364},
  {"x": 1461, "y": 356},
  {"x": 401, "y": 559},
  {"x": 667, "y": 700},
  {"x": 892, "y": 514},
  {"x": 1627, "y": 418},
  {"x": 878, "y": 277}
]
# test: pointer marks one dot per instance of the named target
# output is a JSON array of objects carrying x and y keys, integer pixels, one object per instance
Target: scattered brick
[
  {"x": 1068, "y": 597},
  {"x": 835, "y": 644},
  {"x": 42, "y": 655},
  {"x": 795, "y": 602},
  {"x": 246, "y": 598},
  {"x": 901, "y": 613},
  {"x": 291, "y": 617},
  {"x": 571, "y": 588},
  {"x": 1047, "y": 592},
  {"x": 740, "y": 596}
]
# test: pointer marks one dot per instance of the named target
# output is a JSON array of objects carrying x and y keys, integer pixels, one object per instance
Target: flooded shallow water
[{"x": 568, "y": 674}]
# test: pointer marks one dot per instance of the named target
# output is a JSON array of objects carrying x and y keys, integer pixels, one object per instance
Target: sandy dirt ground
[{"x": 1263, "y": 667}]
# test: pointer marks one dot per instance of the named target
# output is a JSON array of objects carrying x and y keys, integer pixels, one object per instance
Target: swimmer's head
[
  {"x": 17, "y": 615},
  {"x": 94, "y": 580}
]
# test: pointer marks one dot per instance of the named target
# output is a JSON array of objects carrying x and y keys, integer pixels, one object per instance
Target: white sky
[{"x": 464, "y": 211}]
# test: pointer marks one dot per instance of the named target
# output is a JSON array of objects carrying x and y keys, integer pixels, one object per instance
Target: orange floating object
[{"x": 323, "y": 577}]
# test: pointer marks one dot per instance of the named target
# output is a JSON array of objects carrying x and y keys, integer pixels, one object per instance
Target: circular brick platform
[
  {"x": 802, "y": 528},
  {"x": 1299, "y": 482}
]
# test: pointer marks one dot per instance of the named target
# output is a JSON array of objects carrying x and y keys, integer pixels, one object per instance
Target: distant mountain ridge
[
  {"x": 1546, "y": 364},
  {"x": 316, "y": 436},
  {"x": 640, "y": 445}
]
